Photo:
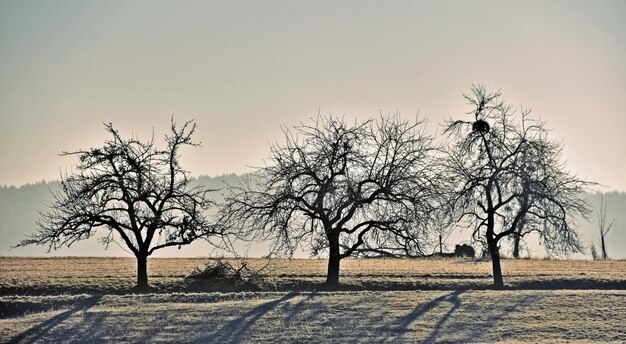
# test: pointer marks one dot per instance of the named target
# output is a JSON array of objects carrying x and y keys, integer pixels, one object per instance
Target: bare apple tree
[
  {"x": 509, "y": 179},
  {"x": 133, "y": 191},
  {"x": 339, "y": 189}
]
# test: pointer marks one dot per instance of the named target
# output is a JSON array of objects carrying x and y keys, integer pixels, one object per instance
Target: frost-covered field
[
  {"x": 308, "y": 317},
  {"x": 86, "y": 300}
]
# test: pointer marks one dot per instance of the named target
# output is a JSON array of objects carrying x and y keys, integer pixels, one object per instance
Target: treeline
[{"x": 19, "y": 207}]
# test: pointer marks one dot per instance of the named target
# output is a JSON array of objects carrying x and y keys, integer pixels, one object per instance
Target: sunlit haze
[{"x": 243, "y": 69}]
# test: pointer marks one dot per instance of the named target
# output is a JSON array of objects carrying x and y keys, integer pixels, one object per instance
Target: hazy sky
[{"x": 241, "y": 69}]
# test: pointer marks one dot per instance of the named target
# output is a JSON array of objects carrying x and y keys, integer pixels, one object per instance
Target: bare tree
[
  {"x": 603, "y": 226},
  {"x": 509, "y": 179},
  {"x": 132, "y": 190},
  {"x": 594, "y": 253},
  {"x": 341, "y": 190},
  {"x": 517, "y": 237}
]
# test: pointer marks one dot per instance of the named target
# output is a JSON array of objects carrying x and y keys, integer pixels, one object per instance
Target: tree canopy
[
  {"x": 342, "y": 189},
  {"x": 135, "y": 192},
  {"x": 509, "y": 180}
]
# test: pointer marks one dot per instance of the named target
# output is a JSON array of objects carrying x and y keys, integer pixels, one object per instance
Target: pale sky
[{"x": 243, "y": 69}]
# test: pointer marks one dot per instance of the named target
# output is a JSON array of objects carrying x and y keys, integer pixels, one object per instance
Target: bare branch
[{"x": 130, "y": 188}]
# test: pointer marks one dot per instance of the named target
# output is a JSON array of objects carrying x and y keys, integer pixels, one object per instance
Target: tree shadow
[
  {"x": 93, "y": 332},
  {"x": 36, "y": 332},
  {"x": 452, "y": 298},
  {"x": 299, "y": 307},
  {"x": 16, "y": 309},
  {"x": 235, "y": 330},
  {"x": 403, "y": 323},
  {"x": 341, "y": 319},
  {"x": 459, "y": 324},
  {"x": 479, "y": 329},
  {"x": 494, "y": 319}
]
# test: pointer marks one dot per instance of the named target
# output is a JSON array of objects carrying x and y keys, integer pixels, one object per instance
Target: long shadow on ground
[
  {"x": 472, "y": 327},
  {"x": 36, "y": 332},
  {"x": 236, "y": 330}
]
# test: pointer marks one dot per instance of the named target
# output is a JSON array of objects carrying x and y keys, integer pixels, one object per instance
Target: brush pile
[{"x": 220, "y": 273}]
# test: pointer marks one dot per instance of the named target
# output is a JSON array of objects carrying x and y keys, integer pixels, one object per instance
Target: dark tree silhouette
[
  {"x": 133, "y": 190},
  {"x": 341, "y": 190},
  {"x": 517, "y": 237},
  {"x": 604, "y": 227},
  {"x": 509, "y": 179}
]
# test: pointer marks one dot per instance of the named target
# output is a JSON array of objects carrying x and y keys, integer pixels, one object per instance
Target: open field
[
  {"x": 341, "y": 317},
  {"x": 308, "y": 317},
  {"x": 79, "y": 300},
  {"x": 72, "y": 275}
]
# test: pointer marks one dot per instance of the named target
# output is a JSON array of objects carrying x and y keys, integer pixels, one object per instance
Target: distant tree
[
  {"x": 509, "y": 179},
  {"x": 603, "y": 226},
  {"x": 594, "y": 252},
  {"x": 130, "y": 189},
  {"x": 343, "y": 190},
  {"x": 517, "y": 237}
]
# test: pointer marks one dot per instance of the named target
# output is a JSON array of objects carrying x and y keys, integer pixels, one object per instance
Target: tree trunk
[
  {"x": 498, "y": 282},
  {"x": 142, "y": 273},
  {"x": 440, "y": 246},
  {"x": 334, "y": 259},
  {"x": 604, "y": 255},
  {"x": 517, "y": 237}
]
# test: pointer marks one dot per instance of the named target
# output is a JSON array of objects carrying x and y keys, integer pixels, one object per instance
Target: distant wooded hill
[
  {"x": 20, "y": 206},
  {"x": 19, "y": 212}
]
